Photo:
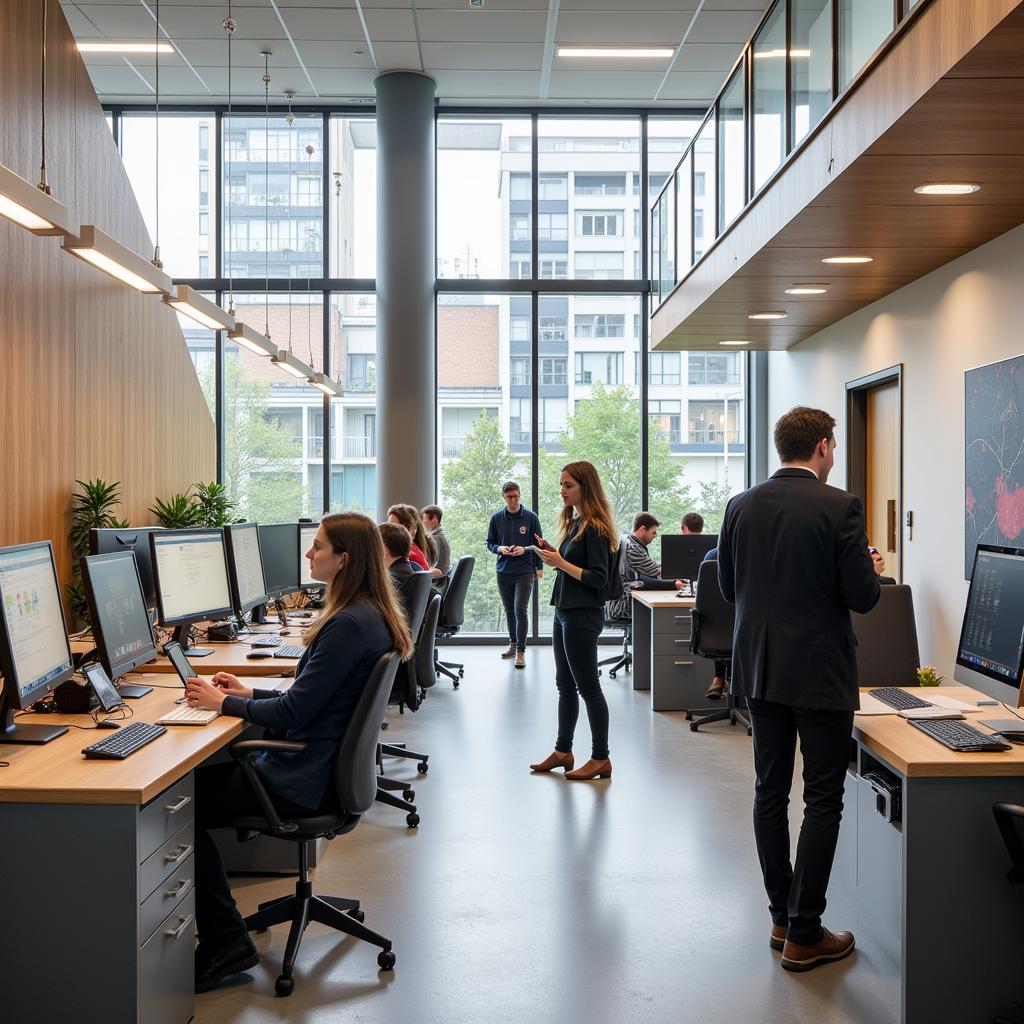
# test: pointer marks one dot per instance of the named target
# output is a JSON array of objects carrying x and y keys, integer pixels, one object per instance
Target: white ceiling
[{"x": 330, "y": 51}]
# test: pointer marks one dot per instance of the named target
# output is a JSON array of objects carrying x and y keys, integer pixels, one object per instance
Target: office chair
[
  {"x": 887, "y": 653},
  {"x": 713, "y": 619},
  {"x": 355, "y": 786},
  {"x": 453, "y": 614},
  {"x": 624, "y": 659},
  {"x": 1009, "y": 820}
]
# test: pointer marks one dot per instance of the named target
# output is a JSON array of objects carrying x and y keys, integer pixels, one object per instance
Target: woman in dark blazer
[
  {"x": 361, "y": 621},
  {"x": 587, "y": 540}
]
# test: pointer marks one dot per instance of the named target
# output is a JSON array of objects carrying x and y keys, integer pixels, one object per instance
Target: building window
[
  {"x": 519, "y": 227},
  {"x": 204, "y": 142},
  {"x": 714, "y": 368},
  {"x": 361, "y": 371},
  {"x": 698, "y": 183},
  {"x": 667, "y": 419},
  {"x": 595, "y": 223},
  {"x": 553, "y": 270},
  {"x": 599, "y": 265},
  {"x": 552, "y": 227},
  {"x": 554, "y": 418},
  {"x": 204, "y": 265},
  {"x": 599, "y": 368},
  {"x": 519, "y": 187},
  {"x": 519, "y": 328},
  {"x": 204, "y": 223},
  {"x": 663, "y": 368},
  {"x": 553, "y": 186},
  {"x": 204, "y": 187},
  {"x": 636, "y": 325},
  {"x": 307, "y": 190},
  {"x": 519, "y": 421},
  {"x": 552, "y": 328},
  {"x": 707, "y": 422},
  {"x": 599, "y": 184},
  {"x": 520, "y": 371},
  {"x": 519, "y": 267},
  {"x": 698, "y": 223},
  {"x": 600, "y": 325},
  {"x": 554, "y": 371},
  {"x": 656, "y": 181}
]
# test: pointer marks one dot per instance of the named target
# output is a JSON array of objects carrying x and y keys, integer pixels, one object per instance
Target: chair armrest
[
  {"x": 244, "y": 752},
  {"x": 1004, "y": 814}
]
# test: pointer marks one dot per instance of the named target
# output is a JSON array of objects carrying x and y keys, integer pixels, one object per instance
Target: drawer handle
[
  {"x": 182, "y": 885},
  {"x": 680, "y": 641},
  {"x": 176, "y": 933},
  {"x": 179, "y": 853},
  {"x": 680, "y": 617},
  {"x": 682, "y": 663},
  {"x": 174, "y": 808}
]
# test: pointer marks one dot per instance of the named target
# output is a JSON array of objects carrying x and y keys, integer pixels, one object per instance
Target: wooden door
[{"x": 882, "y": 504}]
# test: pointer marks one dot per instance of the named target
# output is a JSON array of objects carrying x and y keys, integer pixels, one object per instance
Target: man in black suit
[{"x": 793, "y": 558}]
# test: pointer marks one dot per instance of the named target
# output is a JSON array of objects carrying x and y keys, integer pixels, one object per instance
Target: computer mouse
[
  {"x": 286, "y": 632},
  {"x": 681, "y": 593},
  {"x": 254, "y": 655},
  {"x": 107, "y": 725}
]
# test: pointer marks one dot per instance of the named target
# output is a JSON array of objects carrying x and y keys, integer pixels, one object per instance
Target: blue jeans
[
  {"x": 515, "y": 589},
  {"x": 574, "y": 639}
]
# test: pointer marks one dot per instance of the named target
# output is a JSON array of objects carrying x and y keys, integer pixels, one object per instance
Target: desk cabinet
[{"x": 662, "y": 662}]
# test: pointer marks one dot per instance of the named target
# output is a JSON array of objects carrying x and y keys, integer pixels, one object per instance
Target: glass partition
[
  {"x": 732, "y": 151},
  {"x": 769, "y": 74},
  {"x": 684, "y": 217},
  {"x": 811, "y": 64},
  {"x": 705, "y": 228},
  {"x": 666, "y": 241},
  {"x": 863, "y": 24}
]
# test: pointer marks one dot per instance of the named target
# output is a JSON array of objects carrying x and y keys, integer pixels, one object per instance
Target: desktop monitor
[
  {"x": 35, "y": 655},
  {"x": 278, "y": 544},
  {"x": 991, "y": 644},
  {"x": 245, "y": 563},
  {"x": 307, "y": 531},
  {"x": 135, "y": 540},
  {"x": 682, "y": 553},
  {"x": 117, "y": 609},
  {"x": 191, "y": 573}
]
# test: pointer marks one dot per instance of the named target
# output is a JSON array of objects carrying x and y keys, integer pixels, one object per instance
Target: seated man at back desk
[
  {"x": 397, "y": 545},
  {"x": 638, "y": 570}
]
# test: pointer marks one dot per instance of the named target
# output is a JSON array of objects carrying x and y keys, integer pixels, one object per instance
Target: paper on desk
[
  {"x": 951, "y": 703},
  {"x": 873, "y": 706}
]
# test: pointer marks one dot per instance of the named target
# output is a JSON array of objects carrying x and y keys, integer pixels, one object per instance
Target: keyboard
[
  {"x": 267, "y": 641},
  {"x": 124, "y": 742},
  {"x": 184, "y": 715},
  {"x": 958, "y": 736},
  {"x": 899, "y": 699},
  {"x": 290, "y": 651}
]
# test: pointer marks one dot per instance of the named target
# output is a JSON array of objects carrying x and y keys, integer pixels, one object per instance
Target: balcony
[
  {"x": 360, "y": 448},
  {"x": 452, "y": 447}
]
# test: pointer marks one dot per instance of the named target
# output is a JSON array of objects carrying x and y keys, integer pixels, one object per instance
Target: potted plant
[
  {"x": 213, "y": 506},
  {"x": 179, "y": 512},
  {"x": 91, "y": 508},
  {"x": 928, "y": 675}
]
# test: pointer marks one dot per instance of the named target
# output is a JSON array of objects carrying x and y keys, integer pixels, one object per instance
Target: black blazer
[
  {"x": 793, "y": 558},
  {"x": 593, "y": 554}
]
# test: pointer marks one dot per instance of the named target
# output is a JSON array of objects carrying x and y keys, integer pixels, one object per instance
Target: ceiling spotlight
[
  {"x": 768, "y": 314},
  {"x": 807, "y": 289},
  {"x": 623, "y": 52},
  {"x": 848, "y": 259},
  {"x": 734, "y": 343},
  {"x": 947, "y": 188}
]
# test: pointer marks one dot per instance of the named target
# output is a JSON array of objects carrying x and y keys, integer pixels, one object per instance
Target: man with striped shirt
[{"x": 637, "y": 567}]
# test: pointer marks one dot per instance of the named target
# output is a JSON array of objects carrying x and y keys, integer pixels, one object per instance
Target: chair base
[
  {"x": 400, "y": 750},
  {"x": 412, "y": 818},
  {"x": 623, "y": 661},
  {"x": 706, "y": 716},
  {"x": 303, "y": 906},
  {"x": 445, "y": 668}
]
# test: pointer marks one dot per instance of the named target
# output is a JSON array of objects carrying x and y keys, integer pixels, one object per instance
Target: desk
[
  {"x": 96, "y": 873},
  {"x": 226, "y": 657},
  {"x": 662, "y": 662},
  {"x": 931, "y": 890}
]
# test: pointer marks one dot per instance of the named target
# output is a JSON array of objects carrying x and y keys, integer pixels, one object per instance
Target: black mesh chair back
[
  {"x": 887, "y": 653},
  {"x": 713, "y": 616},
  {"x": 453, "y": 603},
  {"x": 355, "y": 768},
  {"x": 424, "y": 657}
]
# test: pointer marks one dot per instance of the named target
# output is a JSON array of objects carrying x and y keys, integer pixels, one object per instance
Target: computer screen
[
  {"x": 136, "y": 540},
  {"x": 117, "y": 608},
  {"x": 278, "y": 544},
  {"x": 307, "y": 531},
  {"x": 34, "y": 652},
  {"x": 246, "y": 566},
  {"x": 191, "y": 573},
  {"x": 992, "y": 635},
  {"x": 682, "y": 553}
]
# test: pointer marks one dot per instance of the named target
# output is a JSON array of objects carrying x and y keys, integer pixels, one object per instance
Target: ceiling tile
[
  {"x": 207, "y": 22},
  {"x": 391, "y": 26},
  {"x": 343, "y": 83},
  {"x": 463, "y": 5},
  {"x": 339, "y": 53},
  {"x": 394, "y": 56},
  {"x": 117, "y": 22},
  {"x": 482, "y": 26},
  {"x": 309, "y": 23},
  {"x": 604, "y": 85},
  {"x": 245, "y": 53},
  {"x": 699, "y": 87},
  {"x": 81, "y": 27},
  {"x": 483, "y": 56},
  {"x": 121, "y": 80},
  {"x": 724, "y": 27},
  {"x": 628, "y": 28},
  {"x": 474, "y": 84},
  {"x": 637, "y": 7},
  {"x": 718, "y": 57}
]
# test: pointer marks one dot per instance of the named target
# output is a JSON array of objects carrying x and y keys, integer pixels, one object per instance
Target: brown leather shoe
[
  {"x": 716, "y": 689},
  {"x": 832, "y": 946},
  {"x": 520, "y": 659},
  {"x": 555, "y": 760},
  {"x": 778, "y": 937},
  {"x": 591, "y": 770},
  {"x": 510, "y": 653}
]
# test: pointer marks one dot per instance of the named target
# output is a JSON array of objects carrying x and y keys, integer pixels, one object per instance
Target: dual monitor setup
[{"x": 187, "y": 576}]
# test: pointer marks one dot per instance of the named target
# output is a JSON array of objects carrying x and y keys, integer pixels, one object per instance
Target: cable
[
  {"x": 266, "y": 189},
  {"x": 229, "y": 27},
  {"x": 43, "y": 186},
  {"x": 157, "y": 262}
]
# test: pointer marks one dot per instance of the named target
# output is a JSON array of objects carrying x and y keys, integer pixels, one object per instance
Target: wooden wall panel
[{"x": 95, "y": 379}]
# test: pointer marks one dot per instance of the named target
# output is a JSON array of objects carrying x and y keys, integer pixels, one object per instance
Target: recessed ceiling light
[
  {"x": 624, "y": 52},
  {"x": 807, "y": 289},
  {"x": 734, "y": 343},
  {"x": 113, "y": 47},
  {"x": 759, "y": 54},
  {"x": 848, "y": 259},
  {"x": 768, "y": 314},
  {"x": 947, "y": 188}
]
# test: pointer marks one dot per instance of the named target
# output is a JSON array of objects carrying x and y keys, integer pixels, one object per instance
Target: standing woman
[
  {"x": 361, "y": 621},
  {"x": 587, "y": 539}
]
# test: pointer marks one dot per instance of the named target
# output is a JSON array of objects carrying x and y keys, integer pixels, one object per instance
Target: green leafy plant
[
  {"x": 928, "y": 675},
  {"x": 91, "y": 508},
  {"x": 213, "y": 506},
  {"x": 176, "y": 513}
]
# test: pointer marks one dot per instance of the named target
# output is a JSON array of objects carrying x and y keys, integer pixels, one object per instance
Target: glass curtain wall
[
  {"x": 811, "y": 66},
  {"x": 732, "y": 150},
  {"x": 769, "y": 74},
  {"x": 863, "y": 24}
]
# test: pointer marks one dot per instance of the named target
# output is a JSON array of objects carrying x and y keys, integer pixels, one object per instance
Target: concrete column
[{"x": 406, "y": 353}]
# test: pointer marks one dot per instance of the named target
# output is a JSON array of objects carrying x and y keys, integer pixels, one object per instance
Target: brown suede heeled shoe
[
  {"x": 555, "y": 760},
  {"x": 591, "y": 770}
]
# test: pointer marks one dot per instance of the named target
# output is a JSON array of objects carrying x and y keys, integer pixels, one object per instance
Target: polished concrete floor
[{"x": 531, "y": 899}]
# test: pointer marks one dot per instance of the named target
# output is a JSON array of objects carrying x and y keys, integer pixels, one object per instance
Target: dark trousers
[
  {"x": 223, "y": 795},
  {"x": 796, "y": 892},
  {"x": 574, "y": 639},
  {"x": 515, "y": 589}
]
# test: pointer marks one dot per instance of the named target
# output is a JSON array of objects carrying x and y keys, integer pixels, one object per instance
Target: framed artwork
[{"x": 993, "y": 456}]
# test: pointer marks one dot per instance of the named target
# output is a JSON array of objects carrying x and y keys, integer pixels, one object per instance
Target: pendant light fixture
[
  {"x": 107, "y": 254},
  {"x": 28, "y": 205},
  {"x": 197, "y": 307}
]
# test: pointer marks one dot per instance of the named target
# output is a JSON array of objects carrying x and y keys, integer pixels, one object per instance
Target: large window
[
  {"x": 352, "y": 181},
  {"x": 811, "y": 67},
  {"x": 716, "y": 368},
  {"x": 863, "y": 24},
  {"x": 732, "y": 151},
  {"x": 769, "y": 71},
  {"x": 704, "y": 226},
  {"x": 599, "y": 265}
]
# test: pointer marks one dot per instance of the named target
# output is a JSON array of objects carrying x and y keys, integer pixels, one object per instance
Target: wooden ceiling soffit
[{"x": 944, "y": 103}]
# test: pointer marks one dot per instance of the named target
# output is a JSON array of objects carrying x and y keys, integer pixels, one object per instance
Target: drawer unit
[
  {"x": 165, "y": 897},
  {"x": 676, "y": 644},
  {"x": 167, "y": 968},
  {"x": 672, "y": 620},
  {"x": 166, "y": 815},
  {"x": 162, "y": 863},
  {"x": 679, "y": 682}
]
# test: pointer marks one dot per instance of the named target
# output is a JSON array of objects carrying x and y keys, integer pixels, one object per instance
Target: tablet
[{"x": 104, "y": 689}]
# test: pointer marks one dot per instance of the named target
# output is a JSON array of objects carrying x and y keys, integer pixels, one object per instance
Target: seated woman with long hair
[
  {"x": 423, "y": 551},
  {"x": 361, "y": 621}
]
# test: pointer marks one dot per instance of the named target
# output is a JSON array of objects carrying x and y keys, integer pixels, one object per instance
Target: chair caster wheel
[
  {"x": 284, "y": 985},
  {"x": 357, "y": 915},
  {"x": 455, "y": 684},
  {"x": 409, "y": 795},
  {"x": 462, "y": 672},
  {"x": 750, "y": 732},
  {"x": 386, "y": 960},
  {"x": 600, "y": 672},
  {"x": 689, "y": 716},
  {"x": 694, "y": 727},
  {"x": 384, "y": 726},
  {"x": 412, "y": 819},
  {"x": 611, "y": 675},
  {"x": 422, "y": 767}
]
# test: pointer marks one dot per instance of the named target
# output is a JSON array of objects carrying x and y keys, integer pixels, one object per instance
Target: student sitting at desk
[{"x": 361, "y": 621}]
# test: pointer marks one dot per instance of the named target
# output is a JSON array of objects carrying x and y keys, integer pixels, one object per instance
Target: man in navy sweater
[{"x": 509, "y": 533}]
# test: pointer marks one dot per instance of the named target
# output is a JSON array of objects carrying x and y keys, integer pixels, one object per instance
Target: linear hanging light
[
  {"x": 107, "y": 254},
  {"x": 197, "y": 307},
  {"x": 325, "y": 384},
  {"x": 292, "y": 365},
  {"x": 248, "y": 337}
]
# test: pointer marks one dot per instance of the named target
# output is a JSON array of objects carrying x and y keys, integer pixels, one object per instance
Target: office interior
[{"x": 409, "y": 249}]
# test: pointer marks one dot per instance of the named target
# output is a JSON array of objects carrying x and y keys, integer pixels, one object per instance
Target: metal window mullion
[
  {"x": 218, "y": 397},
  {"x": 645, "y": 304},
  {"x": 835, "y": 49},
  {"x": 218, "y": 197},
  {"x": 787, "y": 141},
  {"x": 328, "y": 408},
  {"x": 535, "y": 343}
]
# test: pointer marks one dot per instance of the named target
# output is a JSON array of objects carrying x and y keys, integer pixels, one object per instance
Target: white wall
[{"x": 966, "y": 314}]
